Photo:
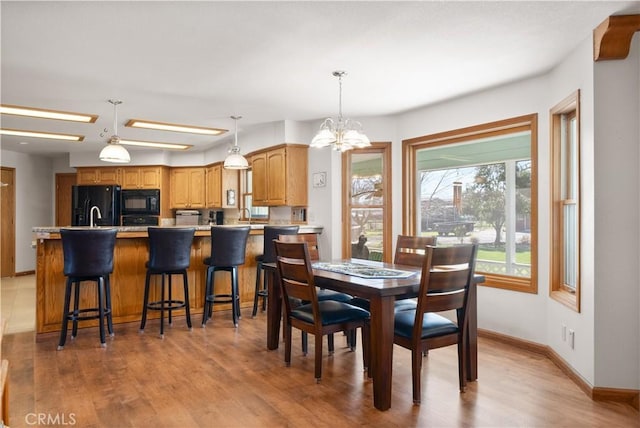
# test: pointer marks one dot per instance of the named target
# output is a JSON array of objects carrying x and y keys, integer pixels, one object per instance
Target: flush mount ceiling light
[
  {"x": 158, "y": 145},
  {"x": 113, "y": 152},
  {"x": 235, "y": 160},
  {"x": 342, "y": 134},
  {"x": 47, "y": 114},
  {"x": 50, "y": 135},
  {"x": 161, "y": 126}
]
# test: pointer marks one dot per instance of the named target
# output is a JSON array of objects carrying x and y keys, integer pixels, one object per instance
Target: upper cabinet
[
  {"x": 98, "y": 175},
  {"x": 280, "y": 176},
  {"x": 219, "y": 182},
  {"x": 187, "y": 188},
  {"x": 144, "y": 177}
]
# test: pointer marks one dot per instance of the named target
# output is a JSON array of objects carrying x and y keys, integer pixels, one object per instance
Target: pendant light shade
[
  {"x": 235, "y": 160},
  {"x": 342, "y": 134},
  {"x": 114, "y": 152}
]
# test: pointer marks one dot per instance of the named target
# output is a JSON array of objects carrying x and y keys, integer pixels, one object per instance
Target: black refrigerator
[{"x": 106, "y": 198}]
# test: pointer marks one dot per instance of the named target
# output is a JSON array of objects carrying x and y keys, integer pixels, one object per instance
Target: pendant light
[
  {"x": 235, "y": 160},
  {"x": 114, "y": 152},
  {"x": 342, "y": 134}
]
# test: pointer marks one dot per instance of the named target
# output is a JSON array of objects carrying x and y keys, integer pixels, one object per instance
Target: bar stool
[
  {"x": 169, "y": 254},
  {"x": 88, "y": 256},
  {"x": 228, "y": 247},
  {"x": 268, "y": 256}
]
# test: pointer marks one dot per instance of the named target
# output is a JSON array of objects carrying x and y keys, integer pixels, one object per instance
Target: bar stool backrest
[
  {"x": 170, "y": 248},
  {"x": 271, "y": 233},
  {"x": 88, "y": 252},
  {"x": 228, "y": 245}
]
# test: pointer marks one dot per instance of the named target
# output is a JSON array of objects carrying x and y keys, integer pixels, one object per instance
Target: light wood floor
[{"x": 223, "y": 377}]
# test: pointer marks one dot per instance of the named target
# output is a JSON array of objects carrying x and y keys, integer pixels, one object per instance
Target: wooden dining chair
[
  {"x": 315, "y": 317},
  {"x": 314, "y": 255},
  {"x": 410, "y": 249},
  {"x": 447, "y": 273}
]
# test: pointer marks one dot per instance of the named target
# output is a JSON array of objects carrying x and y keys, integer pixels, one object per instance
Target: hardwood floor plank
[{"x": 225, "y": 377}]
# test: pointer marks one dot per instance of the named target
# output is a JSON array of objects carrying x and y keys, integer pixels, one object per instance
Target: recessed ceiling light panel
[
  {"x": 170, "y": 146},
  {"x": 47, "y": 114},
  {"x": 50, "y": 135},
  {"x": 161, "y": 126}
]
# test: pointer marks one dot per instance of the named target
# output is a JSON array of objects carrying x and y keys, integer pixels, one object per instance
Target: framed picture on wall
[{"x": 319, "y": 179}]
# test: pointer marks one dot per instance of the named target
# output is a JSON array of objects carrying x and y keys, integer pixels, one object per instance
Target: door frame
[
  {"x": 11, "y": 212},
  {"x": 384, "y": 149}
]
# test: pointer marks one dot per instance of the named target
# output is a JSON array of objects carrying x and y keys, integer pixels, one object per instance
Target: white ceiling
[{"x": 200, "y": 62}]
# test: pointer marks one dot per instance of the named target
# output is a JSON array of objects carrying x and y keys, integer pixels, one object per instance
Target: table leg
[
  {"x": 274, "y": 309},
  {"x": 472, "y": 334},
  {"x": 382, "y": 320}
]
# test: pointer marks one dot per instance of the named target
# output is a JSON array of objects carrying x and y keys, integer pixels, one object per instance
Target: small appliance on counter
[
  {"x": 187, "y": 217},
  {"x": 216, "y": 217}
]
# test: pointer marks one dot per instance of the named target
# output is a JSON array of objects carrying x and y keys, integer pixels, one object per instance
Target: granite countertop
[{"x": 304, "y": 228}]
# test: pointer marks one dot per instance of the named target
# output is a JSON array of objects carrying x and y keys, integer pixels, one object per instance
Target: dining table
[{"x": 382, "y": 292}]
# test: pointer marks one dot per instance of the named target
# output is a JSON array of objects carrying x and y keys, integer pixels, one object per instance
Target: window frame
[
  {"x": 501, "y": 127},
  {"x": 565, "y": 109},
  {"x": 383, "y": 148}
]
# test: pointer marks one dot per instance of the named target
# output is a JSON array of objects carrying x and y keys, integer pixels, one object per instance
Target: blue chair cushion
[
  {"x": 324, "y": 294},
  {"x": 433, "y": 325},
  {"x": 399, "y": 305},
  {"x": 331, "y": 311}
]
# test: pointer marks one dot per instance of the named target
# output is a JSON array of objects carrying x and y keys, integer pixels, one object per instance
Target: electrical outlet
[
  {"x": 572, "y": 339},
  {"x": 564, "y": 333}
]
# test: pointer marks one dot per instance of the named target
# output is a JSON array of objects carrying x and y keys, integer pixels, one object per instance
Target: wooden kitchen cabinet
[
  {"x": 144, "y": 177},
  {"x": 280, "y": 176},
  {"x": 98, "y": 175},
  {"x": 219, "y": 181},
  {"x": 187, "y": 188}
]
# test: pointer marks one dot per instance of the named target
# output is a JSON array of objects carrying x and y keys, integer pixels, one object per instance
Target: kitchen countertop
[{"x": 44, "y": 230}]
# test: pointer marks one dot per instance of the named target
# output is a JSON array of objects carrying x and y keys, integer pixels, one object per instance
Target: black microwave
[{"x": 140, "y": 202}]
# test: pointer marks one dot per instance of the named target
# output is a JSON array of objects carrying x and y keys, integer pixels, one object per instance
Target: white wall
[
  {"x": 33, "y": 176},
  {"x": 617, "y": 220}
]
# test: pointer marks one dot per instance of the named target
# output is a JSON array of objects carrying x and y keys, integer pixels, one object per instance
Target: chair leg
[
  {"x": 145, "y": 302},
  {"x": 366, "y": 348},
  {"x": 287, "y": 342},
  {"x": 65, "y": 314},
  {"x": 207, "y": 293},
  {"x": 76, "y": 311},
  {"x": 234, "y": 294},
  {"x": 169, "y": 300},
  {"x": 107, "y": 293},
  {"x": 162, "y": 306},
  {"x": 305, "y": 343},
  {"x": 462, "y": 357},
  {"x": 185, "y": 281},
  {"x": 101, "y": 304},
  {"x": 318, "y": 359},
  {"x": 256, "y": 296},
  {"x": 416, "y": 369},
  {"x": 330, "y": 343}
]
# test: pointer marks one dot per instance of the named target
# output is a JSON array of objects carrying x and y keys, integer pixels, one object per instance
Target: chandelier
[
  {"x": 235, "y": 160},
  {"x": 114, "y": 152},
  {"x": 342, "y": 134}
]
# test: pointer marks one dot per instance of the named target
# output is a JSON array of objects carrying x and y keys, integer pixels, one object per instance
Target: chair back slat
[
  {"x": 296, "y": 273},
  {"x": 447, "y": 273},
  {"x": 410, "y": 250},
  {"x": 310, "y": 238}
]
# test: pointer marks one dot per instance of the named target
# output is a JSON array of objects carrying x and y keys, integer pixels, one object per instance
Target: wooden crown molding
[{"x": 612, "y": 38}]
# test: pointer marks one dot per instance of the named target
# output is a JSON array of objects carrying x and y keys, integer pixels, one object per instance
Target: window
[
  {"x": 565, "y": 181},
  {"x": 365, "y": 195},
  {"x": 478, "y": 185},
  {"x": 246, "y": 182}
]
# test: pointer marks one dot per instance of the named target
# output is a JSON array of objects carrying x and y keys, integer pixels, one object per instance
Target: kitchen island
[{"x": 128, "y": 277}]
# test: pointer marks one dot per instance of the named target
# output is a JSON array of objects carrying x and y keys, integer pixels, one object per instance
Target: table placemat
[{"x": 363, "y": 270}]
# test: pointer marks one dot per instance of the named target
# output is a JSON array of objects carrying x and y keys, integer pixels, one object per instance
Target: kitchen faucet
[
  {"x": 248, "y": 213},
  {"x": 94, "y": 208}
]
